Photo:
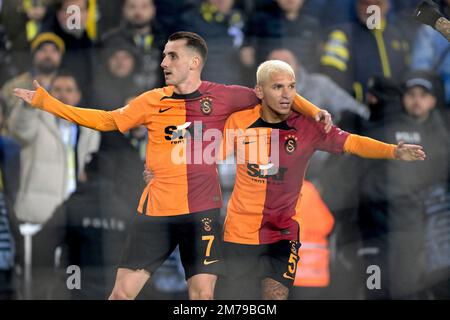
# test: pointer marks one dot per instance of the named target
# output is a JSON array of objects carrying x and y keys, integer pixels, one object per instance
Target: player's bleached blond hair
[{"x": 265, "y": 69}]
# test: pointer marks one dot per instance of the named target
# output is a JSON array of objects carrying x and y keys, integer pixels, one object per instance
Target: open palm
[
  {"x": 27, "y": 95},
  {"x": 410, "y": 152}
]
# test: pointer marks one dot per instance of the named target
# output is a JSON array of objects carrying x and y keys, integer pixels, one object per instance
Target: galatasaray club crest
[
  {"x": 206, "y": 106},
  {"x": 206, "y": 224},
  {"x": 290, "y": 145}
]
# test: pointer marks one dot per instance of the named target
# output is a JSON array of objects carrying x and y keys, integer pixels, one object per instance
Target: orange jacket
[{"x": 316, "y": 223}]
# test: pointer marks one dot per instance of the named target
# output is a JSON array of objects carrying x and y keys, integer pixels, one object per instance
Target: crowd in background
[{"x": 67, "y": 193}]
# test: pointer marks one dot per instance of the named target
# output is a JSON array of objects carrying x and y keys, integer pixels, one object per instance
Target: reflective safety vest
[{"x": 316, "y": 223}]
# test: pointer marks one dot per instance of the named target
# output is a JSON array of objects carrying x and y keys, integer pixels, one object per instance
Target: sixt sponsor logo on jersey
[
  {"x": 179, "y": 134},
  {"x": 266, "y": 172}
]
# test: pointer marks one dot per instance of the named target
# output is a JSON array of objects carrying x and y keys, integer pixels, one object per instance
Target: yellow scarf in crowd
[{"x": 32, "y": 27}]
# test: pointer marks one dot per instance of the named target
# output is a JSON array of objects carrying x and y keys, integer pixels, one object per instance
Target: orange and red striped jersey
[
  {"x": 264, "y": 205},
  {"x": 181, "y": 184},
  {"x": 186, "y": 178}
]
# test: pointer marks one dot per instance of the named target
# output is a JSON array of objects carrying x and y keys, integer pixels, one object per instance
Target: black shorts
[
  {"x": 151, "y": 240},
  {"x": 247, "y": 265}
]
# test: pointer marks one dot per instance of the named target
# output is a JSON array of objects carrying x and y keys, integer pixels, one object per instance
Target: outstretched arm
[
  {"x": 95, "y": 119},
  {"x": 369, "y": 148}
]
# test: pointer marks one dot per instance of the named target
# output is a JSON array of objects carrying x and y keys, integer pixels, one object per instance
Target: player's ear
[
  {"x": 259, "y": 92},
  {"x": 195, "y": 63}
]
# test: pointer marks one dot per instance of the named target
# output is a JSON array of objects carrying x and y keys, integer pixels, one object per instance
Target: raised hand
[
  {"x": 324, "y": 117},
  {"x": 27, "y": 95},
  {"x": 409, "y": 152}
]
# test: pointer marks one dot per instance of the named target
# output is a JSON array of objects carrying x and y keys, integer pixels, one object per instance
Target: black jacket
[
  {"x": 10, "y": 168},
  {"x": 91, "y": 226},
  {"x": 352, "y": 55},
  {"x": 147, "y": 54},
  {"x": 272, "y": 30},
  {"x": 78, "y": 57},
  {"x": 224, "y": 35},
  {"x": 386, "y": 183}
]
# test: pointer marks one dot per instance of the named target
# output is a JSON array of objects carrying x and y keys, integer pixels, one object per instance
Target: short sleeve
[
  {"x": 240, "y": 98},
  {"x": 333, "y": 141}
]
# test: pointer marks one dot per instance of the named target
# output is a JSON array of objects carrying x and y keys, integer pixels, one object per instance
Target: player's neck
[
  {"x": 270, "y": 116},
  {"x": 188, "y": 86}
]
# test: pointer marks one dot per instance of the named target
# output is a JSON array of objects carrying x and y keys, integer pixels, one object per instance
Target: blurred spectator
[
  {"x": 320, "y": 89},
  {"x": 13, "y": 19},
  {"x": 315, "y": 8},
  {"x": 437, "y": 241},
  {"x": 115, "y": 79},
  {"x": 35, "y": 11},
  {"x": 169, "y": 17},
  {"x": 10, "y": 242},
  {"x": 384, "y": 100},
  {"x": 108, "y": 13},
  {"x": 7, "y": 66},
  {"x": 48, "y": 145},
  {"x": 222, "y": 27},
  {"x": 9, "y": 156},
  {"x": 342, "y": 195},
  {"x": 282, "y": 26},
  {"x": 46, "y": 54},
  {"x": 403, "y": 12},
  {"x": 392, "y": 194},
  {"x": 72, "y": 29},
  {"x": 338, "y": 12},
  {"x": 91, "y": 226},
  {"x": 353, "y": 53},
  {"x": 139, "y": 30},
  {"x": 431, "y": 51},
  {"x": 400, "y": 6},
  {"x": 22, "y": 21},
  {"x": 29, "y": 128}
]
